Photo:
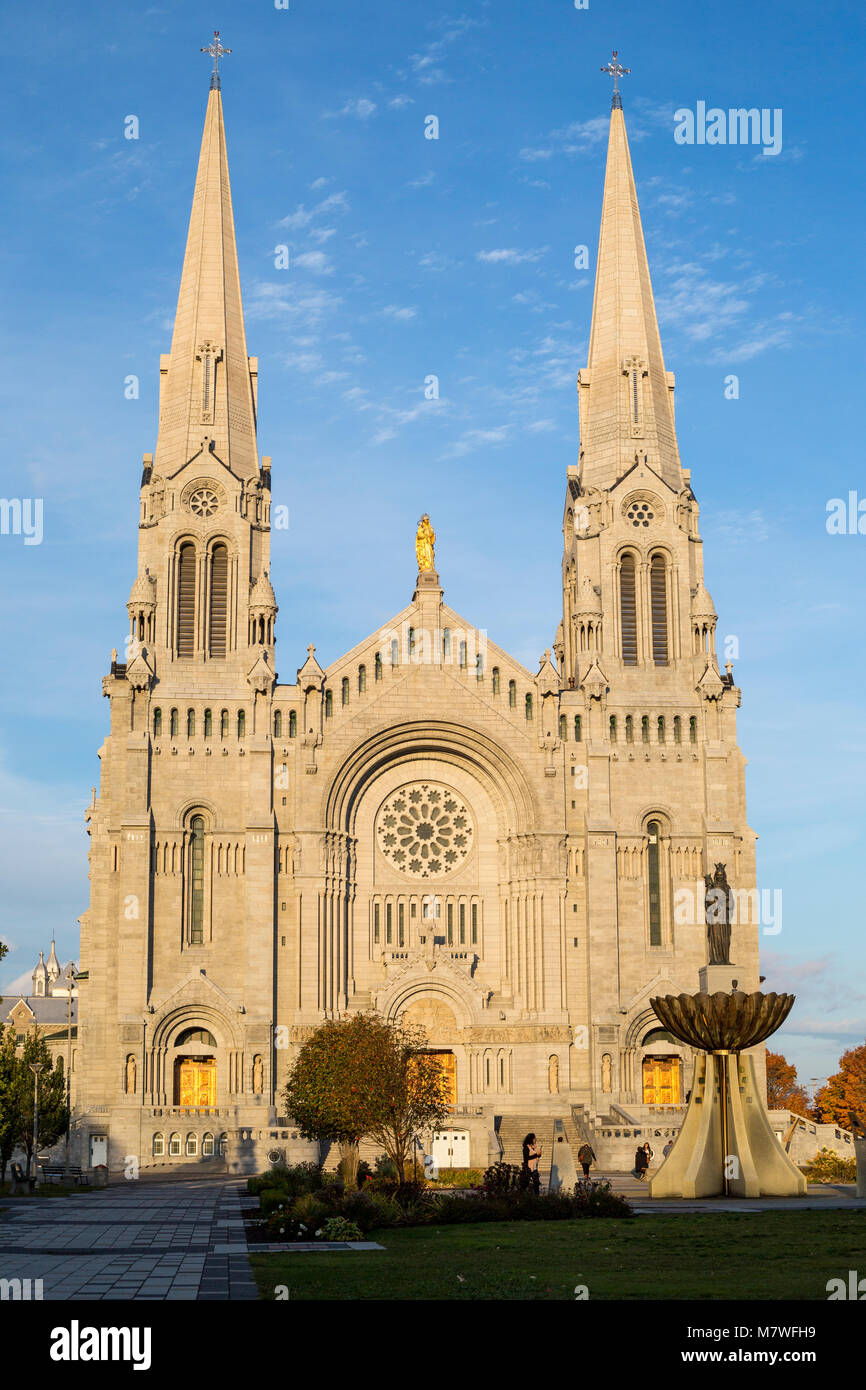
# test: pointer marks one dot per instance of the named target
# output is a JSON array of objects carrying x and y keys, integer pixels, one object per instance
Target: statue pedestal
[{"x": 716, "y": 979}]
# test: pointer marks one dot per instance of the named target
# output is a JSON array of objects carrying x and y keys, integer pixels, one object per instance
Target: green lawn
[{"x": 769, "y": 1255}]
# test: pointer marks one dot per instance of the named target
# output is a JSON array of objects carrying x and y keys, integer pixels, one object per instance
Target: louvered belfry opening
[
  {"x": 186, "y": 601},
  {"x": 219, "y": 575},
  {"x": 659, "y": 609},
  {"x": 628, "y": 610}
]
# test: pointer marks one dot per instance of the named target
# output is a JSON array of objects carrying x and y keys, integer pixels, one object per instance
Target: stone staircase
[{"x": 559, "y": 1145}]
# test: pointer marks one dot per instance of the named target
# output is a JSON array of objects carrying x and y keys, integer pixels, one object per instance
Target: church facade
[{"x": 513, "y": 859}]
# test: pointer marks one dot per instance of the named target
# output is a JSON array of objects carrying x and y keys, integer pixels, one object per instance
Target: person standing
[
  {"x": 529, "y": 1171},
  {"x": 649, "y": 1154},
  {"x": 641, "y": 1162},
  {"x": 586, "y": 1157}
]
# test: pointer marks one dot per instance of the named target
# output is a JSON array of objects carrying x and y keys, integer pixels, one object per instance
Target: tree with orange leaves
[
  {"x": 842, "y": 1101},
  {"x": 784, "y": 1092}
]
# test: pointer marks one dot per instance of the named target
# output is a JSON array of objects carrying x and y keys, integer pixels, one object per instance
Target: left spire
[{"x": 207, "y": 396}]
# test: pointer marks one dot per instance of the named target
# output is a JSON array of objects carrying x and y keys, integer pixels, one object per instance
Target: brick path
[{"x": 156, "y": 1240}]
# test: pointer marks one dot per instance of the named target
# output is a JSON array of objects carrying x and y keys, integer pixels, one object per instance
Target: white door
[
  {"x": 98, "y": 1149},
  {"x": 451, "y": 1148}
]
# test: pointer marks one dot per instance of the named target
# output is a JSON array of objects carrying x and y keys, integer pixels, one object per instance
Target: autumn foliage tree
[
  {"x": 366, "y": 1078},
  {"x": 842, "y": 1101},
  {"x": 784, "y": 1092}
]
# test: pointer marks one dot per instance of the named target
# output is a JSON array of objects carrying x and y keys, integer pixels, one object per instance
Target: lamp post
[{"x": 36, "y": 1068}]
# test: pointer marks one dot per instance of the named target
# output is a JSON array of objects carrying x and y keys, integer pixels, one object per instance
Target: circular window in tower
[
  {"x": 643, "y": 510},
  {"x": 203, "y": 502},
  {"x": 424, "y": 830}
]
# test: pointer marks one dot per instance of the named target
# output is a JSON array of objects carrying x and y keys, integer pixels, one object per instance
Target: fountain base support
[{"x": 726, "y": 1146}]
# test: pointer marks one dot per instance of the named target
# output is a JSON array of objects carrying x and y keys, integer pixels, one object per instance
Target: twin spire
[
  {"x": 625, "y": 394},
  {"x": 207, "y": 400},
  {"x": 208, "y": 382}
]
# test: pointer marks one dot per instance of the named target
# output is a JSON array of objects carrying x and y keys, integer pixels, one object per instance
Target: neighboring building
[
  {"x": 52, "y": 1008},
  {"x": 423, "y": 827},
  {"x": 804, "y": 1138}
]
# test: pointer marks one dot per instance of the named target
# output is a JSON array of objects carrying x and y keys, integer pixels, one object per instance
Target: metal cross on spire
[
  {"x": 217, "y": 51},
  {"x": 616, "y": 70}
]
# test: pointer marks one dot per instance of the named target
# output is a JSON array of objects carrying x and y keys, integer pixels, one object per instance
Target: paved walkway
[
  {"x": 172, "y": 1240},
  {"x": 819, "y": 1197}
]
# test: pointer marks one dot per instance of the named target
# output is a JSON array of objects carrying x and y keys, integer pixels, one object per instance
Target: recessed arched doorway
[
  {"x": 436, "y": 1021},
  {"x": 195, "y": 1073},
  {"x": 661, "y": 1071}
]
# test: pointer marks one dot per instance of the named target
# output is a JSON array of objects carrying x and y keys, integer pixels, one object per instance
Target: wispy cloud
[
  {"x": 303, "y": 216},
  {"x": 361, "y": 110},
  {"x": 509, "y": 255}
]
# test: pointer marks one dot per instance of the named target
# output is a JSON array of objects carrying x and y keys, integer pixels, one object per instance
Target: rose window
[
  {"x": 640, "y": 513},
  {"x": 203, "y": 502},
  {"x": 424, "y": 830}
]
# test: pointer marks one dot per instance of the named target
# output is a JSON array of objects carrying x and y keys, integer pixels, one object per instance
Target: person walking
[
  {"x": 667, "y": 1148},
  {"x": 529, "y": 1170},
  {"x": 586, "y": 1157}
]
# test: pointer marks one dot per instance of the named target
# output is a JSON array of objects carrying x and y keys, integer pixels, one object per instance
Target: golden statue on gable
[{"x": 425, "y": 539}]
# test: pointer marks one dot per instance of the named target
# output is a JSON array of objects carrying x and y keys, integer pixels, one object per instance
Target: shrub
[
  {"x": 598, "y": 1199},
  {"x": 828, "y": 1166},
  {"x": 370, "y": 1210},
  {"x": 272, "y": 1199},
  {"x": 364, "y": 1172},
  {"x": 309, "y": 1211},
  {"x": 338, "y": 1228},
  {"x": 501, "y": 1178},
  {"x": 294, "y": 1181},
  {"x": 453, "y": 1211},
  {"x": 385, "y": 1168}
]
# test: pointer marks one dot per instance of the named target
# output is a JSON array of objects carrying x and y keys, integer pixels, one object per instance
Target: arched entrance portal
[
  {"x": 440, "y": 1027},
  {"x": 195, "y": 1076},
  {"x": 661, "y": 1070}
]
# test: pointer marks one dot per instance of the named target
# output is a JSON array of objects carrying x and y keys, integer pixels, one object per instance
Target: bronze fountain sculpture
[{"x": 726, "y": 1145}]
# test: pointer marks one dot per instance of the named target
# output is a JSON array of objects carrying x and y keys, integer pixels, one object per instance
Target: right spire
[{"x": 625, "y": 395}]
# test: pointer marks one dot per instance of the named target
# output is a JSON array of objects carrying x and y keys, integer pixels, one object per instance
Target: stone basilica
[{"x": 424, "y": 827}]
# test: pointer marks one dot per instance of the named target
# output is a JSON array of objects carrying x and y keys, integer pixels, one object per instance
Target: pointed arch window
[
  {"x": 395, "y": 651},
  {"x": 186, "y": 565},
  {"x": 479, "y": 667},
  {"x": 157, "y": 722},
  {"x": 496, "y": 681},
  {"x": 242, "y": 723},
  {"x": 278, "y": 723},
  {"x": 678, "y": 729},
  {"x": 293, "y": 724},
  {"x": 219, "y": 588},
  {"x": 659, "y": 609},
  {"x": 629, "y": 728},
  {"x": 644, "y": 728},
  {"x": 613, "y": 728},
  {"x": 628, "y": 610},
  {"x": 462, "y": 655},
  {"x": 196, "y": 881},
  {"x": 563, "y": 727},
  {"x": 172, "y": 723},
  {"x": 654, "y": 882},
  {"x": 661, "y": 728},
  {"x": 329, "y": 704},
  {"x": 190, "y": 723},
  {"x": 362, "y": 679},
  {"x": 208, "y": 723},
  {"x": 344, "y": 691},
  {"x": 578, "y": 728},
  {"x": 377, "y": 667},
  {"x": 446, "y": 644},
  {"x": 528, "y": 704},
  {"x": 224, "y": 723},
  {"x": 693, "y": 729},
  {"x": 512, "y": 694}
]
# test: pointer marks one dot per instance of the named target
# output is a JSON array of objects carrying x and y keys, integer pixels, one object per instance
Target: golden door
[
  {"x": 448, "y": 1067},
  {"x": 661, "y": 1080},
  {"x": 197, "y": 1082}
]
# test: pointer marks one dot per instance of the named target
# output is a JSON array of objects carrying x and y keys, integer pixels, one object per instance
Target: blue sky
[{"x": 451, "y": 257}]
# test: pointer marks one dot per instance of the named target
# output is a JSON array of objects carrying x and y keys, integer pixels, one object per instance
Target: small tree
[
  {"x": 784, "y": 1092},
  {"x": 405, "y": 1088},
  {"x": 53, "y": 1114},
  {"x": 366, "y": 1078},
  {"x": 9, "y": 1125},
  {"x": 842, "y": 1101},
  {"x": 323, "y": 1094}
]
